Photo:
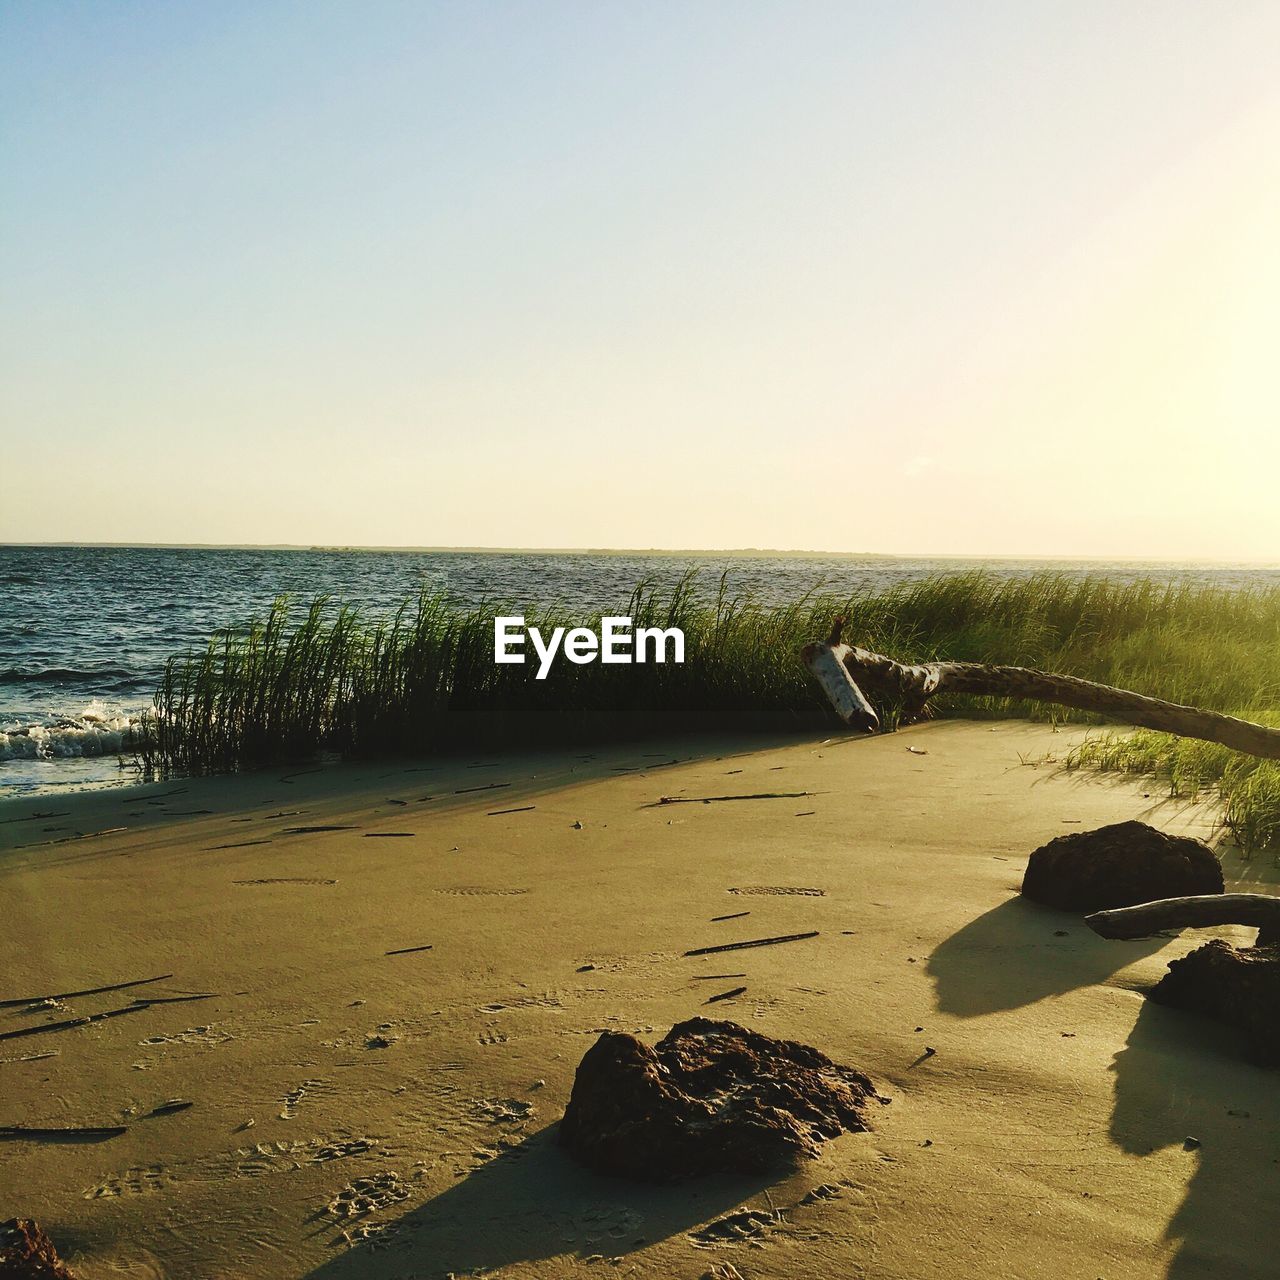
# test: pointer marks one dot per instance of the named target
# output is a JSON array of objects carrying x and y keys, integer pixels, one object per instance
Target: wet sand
[{"x": 396, "y": 1006}]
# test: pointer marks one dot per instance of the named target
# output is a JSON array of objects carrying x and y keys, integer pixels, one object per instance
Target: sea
[{"x": 85, "y": 631}]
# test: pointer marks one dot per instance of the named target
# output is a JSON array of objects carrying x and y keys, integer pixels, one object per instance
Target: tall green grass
[{"x": 328, "y": 679}]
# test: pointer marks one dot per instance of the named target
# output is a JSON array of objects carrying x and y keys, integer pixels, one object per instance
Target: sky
[{"x": 996, "y": 279}]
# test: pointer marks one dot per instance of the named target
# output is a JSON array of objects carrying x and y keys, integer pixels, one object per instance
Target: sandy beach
[{"x": 404, "y": 965}]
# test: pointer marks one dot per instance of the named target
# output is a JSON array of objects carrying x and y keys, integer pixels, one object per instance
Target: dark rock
[
  {"x": 26, "y": 1253},
  {"x": 1119, "y": 866},
  {"x": 711, "y": 1097},
  {"x": 1236, "y": 985}
]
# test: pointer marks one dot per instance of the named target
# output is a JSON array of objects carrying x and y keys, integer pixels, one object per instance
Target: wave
[
  {"x": 52, "y": 675},
  {"x": 89, "y": 734}
]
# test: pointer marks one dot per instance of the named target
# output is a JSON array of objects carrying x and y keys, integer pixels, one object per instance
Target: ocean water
[{"x": 85, "y": 631}]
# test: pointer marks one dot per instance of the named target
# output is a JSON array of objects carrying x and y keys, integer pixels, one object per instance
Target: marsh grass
[{"x": 328, "y": 679}]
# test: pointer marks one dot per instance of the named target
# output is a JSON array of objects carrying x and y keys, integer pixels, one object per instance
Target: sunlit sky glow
[{"x": 991, "y": 279}]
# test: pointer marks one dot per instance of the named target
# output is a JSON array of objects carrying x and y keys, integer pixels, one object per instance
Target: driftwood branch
[
  {"x": 846, "y": 671},
  {"x": 1260, "y": 910}
]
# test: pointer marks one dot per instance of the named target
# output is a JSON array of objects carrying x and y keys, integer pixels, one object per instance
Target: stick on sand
[
  {"x": 759, "y": 795},
  {"x": 725, "y": 995},
  {"x": 85, "y": 1133},
  {"x": 755, "y": 942},
  {"x": 69, "y": 1023},
  {"x": 88, "y": 991}
]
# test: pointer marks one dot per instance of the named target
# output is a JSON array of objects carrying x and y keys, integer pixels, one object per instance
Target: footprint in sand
[
  {"x": 367, "y": 1195},
  {"x": 477, "y": 891},
  {"x": 285, "y": 880},
  {"x": 779, "y": 890},
  {"x": 306, "y": 1089},
  {"x": 192, "y": 1035},
  {"x": 606, "y": 1225},
  {"x": 548, "y": 1000},
  {"x": 473, "y": 1131},
  {"x": 502, "y": 1110},
  {"x": 243, "y": 1162},
  {"x": 823, "y": 1191},
  {"x": 136, "y": 1181},
  {"x": 745, "y": 1224},
  {"x": 341, "y": 1150},
  {"x": 374, "y": 1235},
  {"x": 282, "y": 1157}
]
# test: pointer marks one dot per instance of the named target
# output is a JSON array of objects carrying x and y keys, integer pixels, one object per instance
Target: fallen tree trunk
[
  {"x": 875, "y": 673},
  {"x": 826, "y": 662},
  {"x": 1260, "y": 910}
]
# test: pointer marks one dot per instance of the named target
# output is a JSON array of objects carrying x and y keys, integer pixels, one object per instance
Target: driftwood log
[
  {"x": 1201, "y": 912},
  {"x": 849, "y": 674}
]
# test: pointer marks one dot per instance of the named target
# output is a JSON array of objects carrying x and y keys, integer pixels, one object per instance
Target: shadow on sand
[
  {"x": 529, "y": 1204},
  {"x": 1010, "y": 957},
  {"x": 1183, "y": 1077}
]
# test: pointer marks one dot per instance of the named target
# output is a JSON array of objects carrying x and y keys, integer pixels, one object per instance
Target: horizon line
[{"x": 779, "y": 552}]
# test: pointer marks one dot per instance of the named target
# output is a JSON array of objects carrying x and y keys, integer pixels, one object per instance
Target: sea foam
[{"x": 95, "y": 731}]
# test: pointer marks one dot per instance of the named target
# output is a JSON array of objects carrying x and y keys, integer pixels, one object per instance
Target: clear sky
[{"x": 982, "y": 278}]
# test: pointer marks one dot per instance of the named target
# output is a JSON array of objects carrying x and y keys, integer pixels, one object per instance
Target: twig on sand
[
  {"x": 488, "y": 786},
  {"x": 725, "y": 995},
  {"x": 388, "y": 835},
  {"x": 302, "y": 773},
  {"x": 737, "y": 915},
  {"x": 306, "y": 831},
  {"x": 524, "y": 808},
  {"x": 67, "y": 1024},
  {"x": 72, "y": 1133},
  {"x": 754, "y": 942},
  {"x": 79, "y": 835},
  {"x": 758, "y": 795},
  {"x": 186, "y": 999},
  {"x": 155, "y": 795},
  {"x": 404, "y": 951},
  {"x": 171, "y": 1107},
  {"x": 715, "y": 977},
  {"x": 88, "y": 991}
]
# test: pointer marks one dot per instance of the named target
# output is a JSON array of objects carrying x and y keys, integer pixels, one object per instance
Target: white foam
[{"x": 95, "y": 731}]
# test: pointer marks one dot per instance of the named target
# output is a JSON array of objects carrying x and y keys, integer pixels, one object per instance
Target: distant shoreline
[{"x": 668, "y": 552}]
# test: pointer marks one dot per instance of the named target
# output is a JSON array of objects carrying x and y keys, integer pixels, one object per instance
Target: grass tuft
[{"x": 329, "y": 679}]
